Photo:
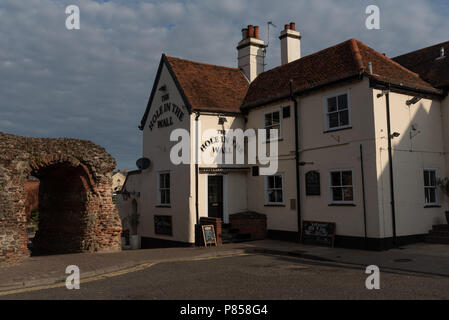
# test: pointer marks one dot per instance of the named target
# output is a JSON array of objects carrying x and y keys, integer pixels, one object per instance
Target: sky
[{"x": 94, "y": 83}]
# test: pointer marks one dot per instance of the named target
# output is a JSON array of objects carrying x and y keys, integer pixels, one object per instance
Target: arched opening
[{"x": 63, "y": 205}]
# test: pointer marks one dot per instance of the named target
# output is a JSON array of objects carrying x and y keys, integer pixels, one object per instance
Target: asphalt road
[{"x": 251, "y": 277}]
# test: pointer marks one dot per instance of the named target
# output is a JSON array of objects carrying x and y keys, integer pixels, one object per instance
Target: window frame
[
  {"x": 279, "y": 111},
  {"x": 266, "y": 189},
  {"x": 437, "y": 197},
  {"x": 159, "y": 189},
  {"x": 326, "y": 113},
  {"x": 330, "y": 187}
]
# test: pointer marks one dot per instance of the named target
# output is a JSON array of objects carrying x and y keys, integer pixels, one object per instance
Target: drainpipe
[
  {"x": 390, "y": 165},
  {"x": 364, "y": 196},
  {"x": 298, "y": 193},
  {"x": 196, "y": 168}
]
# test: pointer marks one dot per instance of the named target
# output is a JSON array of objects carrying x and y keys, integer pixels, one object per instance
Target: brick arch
[{"x": 76, "y": 209}]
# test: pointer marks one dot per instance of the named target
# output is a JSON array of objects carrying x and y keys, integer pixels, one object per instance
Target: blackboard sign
[
  {"x": 313, "y": 183},
  {"x": 163, "y": 225},
  {"x": 209, "y": 235},
  {"x": 319, "y": 233}
]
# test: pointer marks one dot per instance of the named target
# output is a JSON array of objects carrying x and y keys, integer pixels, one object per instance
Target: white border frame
[
  {"x": 437, "y": 195},
  {"x": 329, "y": 187},
  {"x": 324, "y": 102}
]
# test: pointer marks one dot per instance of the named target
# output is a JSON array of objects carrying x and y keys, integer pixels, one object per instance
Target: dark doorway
[
  {"x": 215, "y": 196},
  {"x": 62, "y": 218}
]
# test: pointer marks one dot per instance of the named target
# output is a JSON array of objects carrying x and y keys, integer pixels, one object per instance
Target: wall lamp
[
  {"x": 222, "y": 120},
  {"x": 412, "y": 101},
  {"x": 384, "y": 92},
  {"x": 395, "y": 135}
]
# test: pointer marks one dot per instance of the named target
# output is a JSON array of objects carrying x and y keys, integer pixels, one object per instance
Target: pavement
[{"x": 430, "y": 259}]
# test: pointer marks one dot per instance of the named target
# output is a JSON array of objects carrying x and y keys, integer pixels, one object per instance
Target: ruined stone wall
[{"x": 77, "y": 171}]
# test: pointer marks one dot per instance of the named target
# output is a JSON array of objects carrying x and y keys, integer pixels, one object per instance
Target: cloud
[{"x": 94, "y": 83}]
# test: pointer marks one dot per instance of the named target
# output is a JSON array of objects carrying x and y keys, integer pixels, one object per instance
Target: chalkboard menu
[
  {"x": 318, "y": 233},
  {"x": 209, "y": 235},
  {"x": 313, "y": 183},
  {"x": 163, "y": 225}
]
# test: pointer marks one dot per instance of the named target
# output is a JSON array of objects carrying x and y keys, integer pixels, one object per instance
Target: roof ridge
[
  {"x": 356, "y": 54},
  {"x": 422, "y": 49},
  {"x": 203, "y": 63},
  {"x": 390, "y": 60}
]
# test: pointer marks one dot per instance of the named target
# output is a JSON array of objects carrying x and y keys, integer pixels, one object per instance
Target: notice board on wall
[{"x": 318, "y": 233}]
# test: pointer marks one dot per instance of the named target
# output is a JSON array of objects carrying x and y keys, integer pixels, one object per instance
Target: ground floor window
[
  {"x": 163, "y": 188},
  {"x": 273, "y": 190},
  {"x": 430, "y": 187},
  {"x": 341, "y": 186}
]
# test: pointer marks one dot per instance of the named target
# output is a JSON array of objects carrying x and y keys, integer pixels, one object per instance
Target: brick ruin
[{"x": 75, "y": 197}]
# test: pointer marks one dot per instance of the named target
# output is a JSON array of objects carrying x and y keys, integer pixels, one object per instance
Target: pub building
[{"x": 361, "y": 144}]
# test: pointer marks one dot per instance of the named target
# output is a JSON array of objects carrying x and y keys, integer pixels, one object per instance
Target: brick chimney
[
  {"x": 290, "y": 43},
  {"x": 251, "y": 53}
]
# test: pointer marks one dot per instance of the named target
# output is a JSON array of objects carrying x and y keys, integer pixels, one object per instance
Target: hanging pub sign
[
  {"x": 163, "y": 116},
  {"x": 313, "y": 183}
]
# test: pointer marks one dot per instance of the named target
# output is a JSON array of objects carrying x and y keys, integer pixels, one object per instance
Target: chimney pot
[
  {"x": 292, "y": 26},
  {"x": 244, "y": 33},
  {"x": 287, "y": 26},
  {"x": 256, "y": 32},
  {"x": 251, "y": 31}
]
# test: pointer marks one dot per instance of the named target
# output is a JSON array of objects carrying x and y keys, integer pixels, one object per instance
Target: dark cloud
[{"x": 94, "y": 83}]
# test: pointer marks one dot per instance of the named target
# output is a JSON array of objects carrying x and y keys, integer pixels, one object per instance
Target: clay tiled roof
[
  {"x": 344, "y": 61},
  {"x": 210, "y": 87},
  {"x": 425, "y": 62}
]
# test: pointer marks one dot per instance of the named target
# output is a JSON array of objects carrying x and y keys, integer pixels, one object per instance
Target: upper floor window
[
  {"x": 273, "y": 190},
  {"x": 272, "y": 121},
  {"x": 430, "y": 187},
  {"x": 337, "y": 112},
  {"x": 341, "y": 186},
  {"x": 164, "y": 188}
]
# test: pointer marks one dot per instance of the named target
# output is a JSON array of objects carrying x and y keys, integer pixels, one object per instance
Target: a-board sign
[
  {"x": 319, "y": 233},
  {"x": 209, "y": 235}
]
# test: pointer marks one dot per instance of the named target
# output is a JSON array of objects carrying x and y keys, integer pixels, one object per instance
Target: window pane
[
  {"x": 278, "y": 181},
  {"x": 333, "y": 120},
  {"x": 162, "y": 196},
  {"x": 346, "y": 178},
  {"x": 276, "y": 117},
  {"x": 348, "y": 194},
  {"x": 342, "y": 102},
  {"x": 278, "y": 195},
  {"x": 344, "y": 118},
  {"x": 426, "y": 177},
  {"x": 167, "y": 180},
  {"x": 271, "y": 196},
  {"x": 268, "y": 121},
  {"x": 332, "y": 104},
  {"x": 337, "y": 194},
  {"x": 335, "y": 178},
  {"x": 167, "y": 196},
  {"x": 432, "y": 175},
  {"x": 270, "y": 182}
]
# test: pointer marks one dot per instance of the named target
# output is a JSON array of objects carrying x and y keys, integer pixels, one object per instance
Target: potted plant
[
  {"x": 133, "y": 221},
  {"x": 444, "y": 186}
]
